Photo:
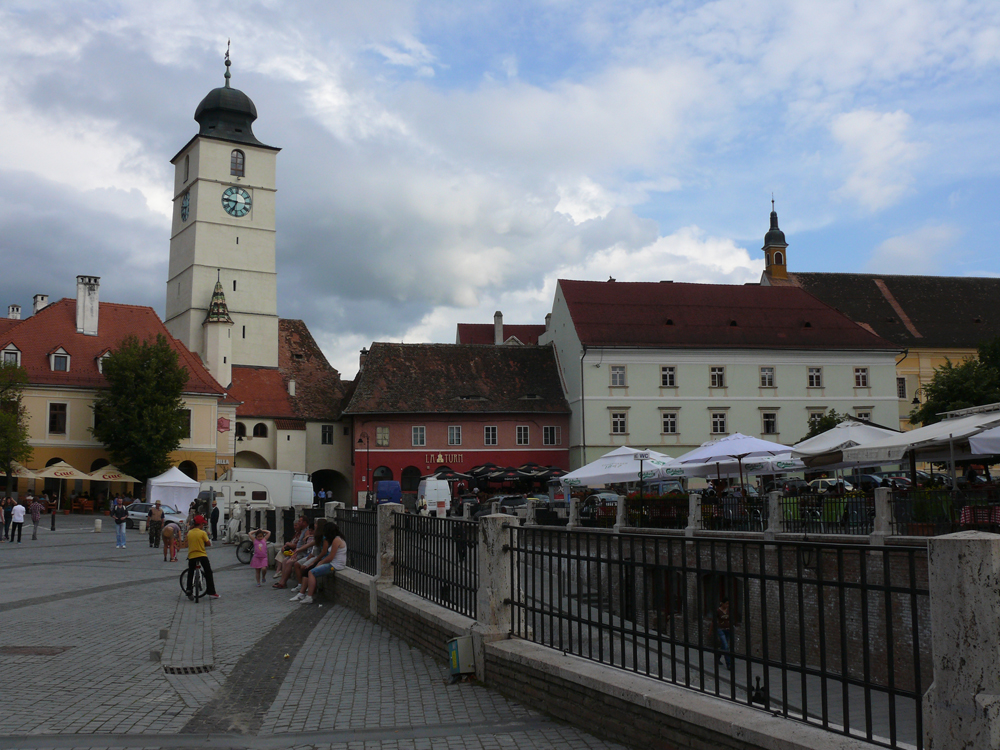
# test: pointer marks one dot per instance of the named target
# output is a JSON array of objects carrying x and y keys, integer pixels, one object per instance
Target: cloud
[
  {"x": 918, "y": 252},
  {"x": 877, "y": 155}
]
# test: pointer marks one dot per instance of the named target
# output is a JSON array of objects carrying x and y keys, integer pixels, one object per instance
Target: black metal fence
[
  {"x": 360, "y": 530},
  {"x": 731, "y": 513},
  {"x": 438, "y": 559},
  {"x": 657, "y": 512},
  {"x": 832, "y": 635},
  {"x": 828, "y": 513},
  {"x": 933, "y": 512}
]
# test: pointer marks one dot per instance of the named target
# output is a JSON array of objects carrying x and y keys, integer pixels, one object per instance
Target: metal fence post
[
  {"x": 574, "y": 513},
  {"x": 493, "y": 616},
  {"x": 883, "y": 516},
  {"x": 773, "y": 515},
  {"x": 694, "y": 514},
  {"x": 962, "y": 705}
]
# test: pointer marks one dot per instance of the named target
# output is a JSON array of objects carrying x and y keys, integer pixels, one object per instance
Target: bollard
[{"x": 97, "y": 525}]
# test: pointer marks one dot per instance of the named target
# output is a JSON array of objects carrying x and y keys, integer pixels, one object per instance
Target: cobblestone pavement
[{"x": 81, "y": 638}]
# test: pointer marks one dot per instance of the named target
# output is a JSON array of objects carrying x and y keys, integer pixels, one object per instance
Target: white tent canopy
[
  {"x": 174, "y": 488},
  {"x": 778, "y": 464},
  {"x": 732, "y": 449},
  {"x": 618, "y": 466},
  {"x": 926, "y": 442},
  {"x": 986, "y": 442},
  {"x": 827, "y": 448}
]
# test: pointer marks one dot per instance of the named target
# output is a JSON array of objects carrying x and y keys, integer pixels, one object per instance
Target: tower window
[
  {"x": 778, "y": 259},
  {"x": 236, "y": 163},
  {"x": 244, "y": 331},
  {"x": 187, "y": 167},
  {"x": 234, "y": 285}
]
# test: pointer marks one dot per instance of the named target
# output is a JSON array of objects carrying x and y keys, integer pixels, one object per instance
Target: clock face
[
  {"x": 185, "y": 206},
  {"x": 236, "y": 201}
]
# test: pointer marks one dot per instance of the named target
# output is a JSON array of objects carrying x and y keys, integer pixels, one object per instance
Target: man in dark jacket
[{"x": 215, "y": 520}]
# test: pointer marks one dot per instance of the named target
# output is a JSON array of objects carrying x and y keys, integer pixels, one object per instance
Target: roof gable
[
  {"x": 483, "y": 333},
  {"x": 667, "y": 314}
]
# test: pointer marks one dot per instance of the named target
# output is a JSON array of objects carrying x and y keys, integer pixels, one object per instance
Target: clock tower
[{"x": 223, "y": 232}]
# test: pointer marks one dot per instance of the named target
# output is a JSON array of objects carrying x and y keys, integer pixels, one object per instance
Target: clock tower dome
[{"x": 223, "y": 231}]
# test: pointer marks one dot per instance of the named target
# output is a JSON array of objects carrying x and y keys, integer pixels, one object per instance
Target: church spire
[
  {"x": 775, "y": 255},
  {"x": 228, "y": 63}
]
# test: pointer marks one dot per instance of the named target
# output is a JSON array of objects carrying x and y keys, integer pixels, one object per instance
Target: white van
[{"x": 437, "y": 494}]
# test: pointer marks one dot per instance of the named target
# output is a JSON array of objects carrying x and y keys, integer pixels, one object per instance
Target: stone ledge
[{"x": 753, "y": 727}]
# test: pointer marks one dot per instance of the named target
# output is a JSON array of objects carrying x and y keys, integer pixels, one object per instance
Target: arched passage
[
  {"x": 335, "y": 482},
  {"x": 381, "y": 473},
  {"x": 250, "y": 460},
  {"x": 190, "y": 468}
]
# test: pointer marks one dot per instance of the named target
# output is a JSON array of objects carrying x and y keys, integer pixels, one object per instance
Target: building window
[
  {"x": 260, "y": 430},
  {"x": 617, "y": 376},
  {"x": 57, "y": 419},
  {"x": 60, "y": 363},
  {"x": 901, "y": 387},
  {"x": 551, "y": 435},
  {"x": 865, "y": 415},
  {"x": 236, "y": 162},
  {"x": 668, "y": 421},
  {"x": 382, "y": 437},
  {"x": 767, "y": 377},
  {"x": 418, "y": 436},
  {"x": 326, "y": 434},
  {"x": 619, "y": 423},
  {"x": 815, "y": 377},
  {"x": 454, "y": 434},
  {"x": 11, "y": 357},
  {"x": 860, "y": 377},
  {"x": 719, "y": 423},
  {"x": 186, "y": 423},
  {"x": 814, "y": 417},
  {"x": 717, "y": 377},
  {"x": 770, "y": 422},
  {"x": 187, "y": 167},
  {"x": 241, "y": 430},
  {"x": 668, "y": 376},
  {"x": 489, "y": 435},
  {"x": 522, "y": 434}
]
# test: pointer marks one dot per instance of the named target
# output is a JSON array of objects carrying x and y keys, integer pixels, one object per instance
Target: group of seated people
[{"x": 317, "y": 549}]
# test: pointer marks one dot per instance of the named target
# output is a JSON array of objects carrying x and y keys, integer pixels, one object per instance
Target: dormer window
[
  {"x": 11, "y": 355},
  {"x": 236, "y": 161},
  {"x": 59, "y": 360},
  {"x": 100, "y": 360}
]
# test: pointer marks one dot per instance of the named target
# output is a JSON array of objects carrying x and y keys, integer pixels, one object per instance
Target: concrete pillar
[
  {"x": 694, "y": 513},
  {"x": 773, "y": 515},
  {"x": 330, "y": 508},
  {"x": 883, "y": 516},
  {"x": 962, "y": 705},
  {"x": 621, "y": 519},
  {"x": 531, "y": 520},
  {"x": 467, "y": 511},
  {"x": 493, "y": 597},
  {"x": 386, "y": 541},
  {"x": 574, "y": 513}
]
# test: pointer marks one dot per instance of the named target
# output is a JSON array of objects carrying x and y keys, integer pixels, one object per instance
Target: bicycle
[
  {"x": 244, "y": 551},
  {"x": 197, "y": 583}
]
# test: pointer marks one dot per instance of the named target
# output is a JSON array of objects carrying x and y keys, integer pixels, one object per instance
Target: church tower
[
  {"x": 775, "y": 255},
  {"x": 223, "y": 233}
]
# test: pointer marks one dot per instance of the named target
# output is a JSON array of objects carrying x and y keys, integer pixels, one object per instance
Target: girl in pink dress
[{"x": 259, "y": 560}]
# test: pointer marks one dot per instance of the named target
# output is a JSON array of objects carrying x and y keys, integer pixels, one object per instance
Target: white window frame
[
  {"x": 382, "y": 436},
  {"x": 865, "y": 414},
  {"x": 814, "y": 415},
  {"x": 418, "y": 436},
  {"x": 619, "y": 376},
  {"x": 619, "y": 417},
  {"x": 522, "y": 435},
  {"x": 668, "y": 414},
  {"x": 719, "y": 418},
  {"x": 9, "y": 350},
  {"x": 551, "y": 435},
  {"x": 814, "y": 377},
  {"x": 764, "y": 415},
  {"x": 489, "y": 435},
  {"x": 60, "y": 352},
  {"x": 767, "y": 372},
  {"x": 668, "y": 376},
  {"x": 901, "y": 388},
  {"x": 717, "y": 376},
  {"x": 454, "y": 434},
  {"x": 861, "y": 377}
]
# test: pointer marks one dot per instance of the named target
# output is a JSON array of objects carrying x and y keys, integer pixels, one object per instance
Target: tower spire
[{"x": 228, "y": 63}]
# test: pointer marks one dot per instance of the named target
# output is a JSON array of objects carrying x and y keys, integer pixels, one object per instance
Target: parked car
[
  {"x": 140, "y": 512},
  {"x": 602, "y": 503},
  {"x": 834, "y": 486},
  {"x": 789, "y": 487},
  {"x": 867, "y": 482}
]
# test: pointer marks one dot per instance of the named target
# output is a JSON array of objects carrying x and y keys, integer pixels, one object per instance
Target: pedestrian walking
[
  {"x": 259, "y": 560},
  {"x": 121, "y": 516},
  {"x": 35, "y": 509},
  {"x": 17, "y": 521},
  {"x": 198, "y": 542},
  {"x": 154, "y": 519},
  {"x": 171, "y": 539},
  {"x": 724, "y": 630},
  {"x": 8, "y": 516},
  {"x": 215, "y": 520}
]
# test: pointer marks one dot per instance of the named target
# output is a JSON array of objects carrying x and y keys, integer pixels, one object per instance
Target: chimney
[
  {"x": 86, "y": 304},
  {"x": 291, "y": 387},
  {"x": 39, "y": 302},
  {"x": 14, "y": 312},
  {"x": 498, "y": 327},
  {"x": 548, "y": 322},
  {"x": 364, "y": 356}
]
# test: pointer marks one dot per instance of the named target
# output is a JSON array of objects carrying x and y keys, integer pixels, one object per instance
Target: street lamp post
[{"x": 363, "y": 439}]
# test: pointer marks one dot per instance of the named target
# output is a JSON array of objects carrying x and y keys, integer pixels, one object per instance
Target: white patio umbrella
[
  {"x": 732, "y": 447},
  {"x": 21, "y": 472},
  {"x": 987, "y": 442},
  {"x": 778, "y": 464},
  {"x": 111, "y": 473},
  {"x": 61, "y": 470},
  {"x": 618, "y": 466},
  {"x": 827, "y": 448}
]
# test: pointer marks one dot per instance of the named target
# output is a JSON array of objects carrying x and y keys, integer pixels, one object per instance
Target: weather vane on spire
[{"x": 228, "y": 63}]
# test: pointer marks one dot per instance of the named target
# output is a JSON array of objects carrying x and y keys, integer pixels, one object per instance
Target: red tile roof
[
  {"x": 262, "y": 391},
  {"x": 483, "y": 333},
  {"x": 664, "y": 314},
  {"x": 55, "y": 326}
]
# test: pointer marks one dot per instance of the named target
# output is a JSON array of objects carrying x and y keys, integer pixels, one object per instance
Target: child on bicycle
[
  {"x": 259, "y": 560},
  {"x": 198, "y": 541}
]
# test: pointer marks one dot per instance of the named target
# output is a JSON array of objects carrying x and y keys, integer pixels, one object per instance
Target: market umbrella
[
  {"x": 21, "y": 472},
  {"x": 736, "y": 446},
  {"x": 828, "y": 447},
  {"x": 505, "y": 475},
  {"x": 61, "y": 470},
  {"x": 449, "y": 475},
  {"x": 619, "y": 466},
  {"x": 111, "y": 474},
  {"x": 485, "y": 468}
]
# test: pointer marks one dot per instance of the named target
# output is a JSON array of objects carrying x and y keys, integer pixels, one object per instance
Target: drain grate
[
  {"x": 33, "y": 650},
  {"x": 189, "y": 670}
]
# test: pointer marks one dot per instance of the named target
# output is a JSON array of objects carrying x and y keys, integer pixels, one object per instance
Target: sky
[{"x": 445, "y": 159}]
